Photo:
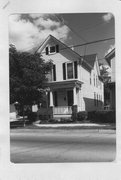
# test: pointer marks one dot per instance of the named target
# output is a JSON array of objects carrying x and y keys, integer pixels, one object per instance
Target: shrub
[
  {"x": 66, "y": 120},
  {"x": 32, "y": 116},
  {"x": 102, "y": 116},
  {"x": 82, "y": 115}
]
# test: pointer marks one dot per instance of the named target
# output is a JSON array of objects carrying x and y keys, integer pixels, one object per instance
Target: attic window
[{"x": 52, "y": 49}]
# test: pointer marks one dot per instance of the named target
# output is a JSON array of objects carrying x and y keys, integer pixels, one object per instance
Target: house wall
[
  {"x": 88, "y": 89},
  {"x": 58, "y": 59},
  {"x": 85, "y": 96},
  {"x": 113, "y": 70}
]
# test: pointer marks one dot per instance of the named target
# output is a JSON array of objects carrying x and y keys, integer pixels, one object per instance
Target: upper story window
[
  {"x": 96, "y": 82},
  {"x": 52, "y": 49},
  {"x": 70, "y": 70},
  {"x": 94, "y": 78}
]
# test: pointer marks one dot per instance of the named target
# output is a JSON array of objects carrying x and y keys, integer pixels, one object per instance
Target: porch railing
[{"x": 62, "y": 110}]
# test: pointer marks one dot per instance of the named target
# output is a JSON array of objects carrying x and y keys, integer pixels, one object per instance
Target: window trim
[
  {"x": 66, "y": 70},
  {"x": 48, "y": 49}
]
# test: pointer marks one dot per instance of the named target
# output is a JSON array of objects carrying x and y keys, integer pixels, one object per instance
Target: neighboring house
[
  {"x": 110, "y": 58},
  {"x": 74, "y": 84},
  {"x": 12, "y": 112}
]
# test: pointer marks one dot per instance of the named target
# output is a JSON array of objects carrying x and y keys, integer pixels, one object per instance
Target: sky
[{"x": 28, "y": 31}]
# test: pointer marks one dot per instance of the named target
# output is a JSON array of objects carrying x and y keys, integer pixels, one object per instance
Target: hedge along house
[{"x": 74, "y": 83}]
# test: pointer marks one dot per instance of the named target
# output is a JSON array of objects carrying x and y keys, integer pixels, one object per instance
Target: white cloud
[
  {"x": 107, "y": 17},
  {"x": 110, "y": 49},
  {"x": 26, "y": 34},
  {"x": 46, "y": 23}
]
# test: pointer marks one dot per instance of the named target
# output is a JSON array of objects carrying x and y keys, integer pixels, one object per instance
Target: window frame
[
  {"x": 75, "y": 75},
  {"x": 72, "y": 71},
  {"x": 51, "y": 50}
]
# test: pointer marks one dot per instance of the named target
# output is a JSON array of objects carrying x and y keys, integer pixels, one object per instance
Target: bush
[
  {"x": 66, "y": 120},
  {"x": 82, "y": 115},
  {"x": 32, "y": 116},
  {"x": 102, "y": 116}
]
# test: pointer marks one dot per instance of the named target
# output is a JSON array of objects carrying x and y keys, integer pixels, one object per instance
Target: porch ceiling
[{"x": 64, "y": 84}]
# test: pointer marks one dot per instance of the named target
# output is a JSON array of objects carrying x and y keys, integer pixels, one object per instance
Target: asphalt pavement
[{"x": 62, "y": 145}]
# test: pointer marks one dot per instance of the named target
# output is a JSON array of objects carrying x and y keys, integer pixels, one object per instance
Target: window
[
  {"x": 94, "y": 79},
  {"x": 70, "y": 70},
  {"x": 52, "y": 49}
]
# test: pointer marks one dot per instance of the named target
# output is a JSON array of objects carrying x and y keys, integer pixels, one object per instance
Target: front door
[{"x": 70, "y": 97}]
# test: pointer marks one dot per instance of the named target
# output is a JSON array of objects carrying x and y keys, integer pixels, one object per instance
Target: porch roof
[{"x": 64, "y": 84}]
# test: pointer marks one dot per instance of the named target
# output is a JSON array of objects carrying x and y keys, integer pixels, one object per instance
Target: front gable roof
[{"x": 63, "y": 47}]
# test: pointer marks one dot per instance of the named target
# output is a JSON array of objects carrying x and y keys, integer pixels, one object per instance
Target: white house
[{"x": 74, "y": 83}]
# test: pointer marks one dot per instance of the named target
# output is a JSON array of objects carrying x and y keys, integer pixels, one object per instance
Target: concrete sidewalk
[{"x": 82, "y": 125}]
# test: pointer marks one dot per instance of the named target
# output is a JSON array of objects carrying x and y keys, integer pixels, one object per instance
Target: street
[{"x": 62, "y": 145}]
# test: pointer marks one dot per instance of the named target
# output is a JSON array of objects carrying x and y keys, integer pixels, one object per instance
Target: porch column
[
  {"x": 51, "y": 99},
  {"x": 74, "y": 107},
  {"x": 51, "y": 105},
  {"x": 75, "y": 96}
]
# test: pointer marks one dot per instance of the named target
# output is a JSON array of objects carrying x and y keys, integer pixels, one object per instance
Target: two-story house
[
  {"x": 110, "y": 58},
  {"x": 74, "y": 84}
]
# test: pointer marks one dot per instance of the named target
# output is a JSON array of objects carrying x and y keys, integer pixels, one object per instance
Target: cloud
[
  {"x": 46, "y": 23},
  {"x": 107, "y": 17},
  {"x": 110, "y": 49},
  {"x": 27, "y": 33}
]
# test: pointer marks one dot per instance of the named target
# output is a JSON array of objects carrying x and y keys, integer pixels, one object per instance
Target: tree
[
  {"x": 27, "y": 76},
  {"x": 104, "y": 73},
  {"x": 106, "y": 79}
]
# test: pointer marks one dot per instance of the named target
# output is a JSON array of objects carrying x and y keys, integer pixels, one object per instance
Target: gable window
[
  {"x": 69, "y": 70},
  {"x": 52, "y": 49}
]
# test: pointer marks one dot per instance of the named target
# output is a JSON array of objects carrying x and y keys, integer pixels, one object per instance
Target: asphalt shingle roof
[{"x": 90, "y": 59}]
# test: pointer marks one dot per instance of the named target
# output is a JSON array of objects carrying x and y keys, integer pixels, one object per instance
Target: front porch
[
  {"x": 63, "y": 98},
  {"x": 62, "y": 111}
]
